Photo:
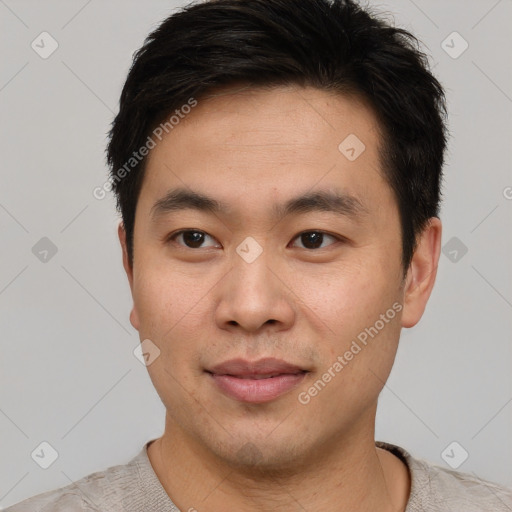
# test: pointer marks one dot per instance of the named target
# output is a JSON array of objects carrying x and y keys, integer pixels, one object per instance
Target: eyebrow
[{"x": 326, "y": 201}]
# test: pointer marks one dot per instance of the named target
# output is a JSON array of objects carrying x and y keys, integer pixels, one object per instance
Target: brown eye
[
  {"x": 314, "y": 239},
  {"x": 192, "y": 239}
]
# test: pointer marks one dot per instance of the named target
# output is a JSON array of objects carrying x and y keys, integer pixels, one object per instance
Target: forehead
[
  {"x": 277, "y": 117},
  {"x": 255, "y": 142}
]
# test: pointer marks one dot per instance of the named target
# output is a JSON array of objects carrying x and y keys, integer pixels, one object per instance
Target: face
[{"x": 293, "y": 253}]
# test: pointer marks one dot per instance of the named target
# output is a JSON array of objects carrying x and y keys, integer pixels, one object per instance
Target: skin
[{"x": 202, "y": 305}]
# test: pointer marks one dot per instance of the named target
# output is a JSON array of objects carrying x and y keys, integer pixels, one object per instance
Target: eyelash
[{"x": 173, "y": 236}]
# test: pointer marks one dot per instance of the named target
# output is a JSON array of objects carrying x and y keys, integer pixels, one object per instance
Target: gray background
[{"x": 67, "y": 369}]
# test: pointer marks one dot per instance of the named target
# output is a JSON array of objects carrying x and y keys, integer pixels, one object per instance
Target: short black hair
[{"x": 332, "y": 45}]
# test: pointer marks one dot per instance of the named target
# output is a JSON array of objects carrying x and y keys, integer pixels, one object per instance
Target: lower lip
[{"x": 257, "y": 390}]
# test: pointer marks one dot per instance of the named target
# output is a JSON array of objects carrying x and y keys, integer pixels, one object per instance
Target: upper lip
[{"x": 244, "y": 368}]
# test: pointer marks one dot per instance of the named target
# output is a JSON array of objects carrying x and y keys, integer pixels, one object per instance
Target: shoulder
[
  {"x": 435, "y": 488},
  {"x": 58, "y": 500},
  {"x": 102, "y": 490},
  {"x": 462, "y": 491}
]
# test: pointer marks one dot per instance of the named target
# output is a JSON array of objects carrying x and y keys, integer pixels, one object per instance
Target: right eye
[{"x": 192, "y": 238}]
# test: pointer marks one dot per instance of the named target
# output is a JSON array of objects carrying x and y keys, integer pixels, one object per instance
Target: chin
[{"x": 262, "y": 457}]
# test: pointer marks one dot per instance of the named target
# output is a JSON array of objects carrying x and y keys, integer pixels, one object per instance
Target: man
[{"x": 277, "y": 166}]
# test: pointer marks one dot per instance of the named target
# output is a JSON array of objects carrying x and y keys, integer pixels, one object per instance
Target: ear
[
  {"x": 126, "y": 262},
  {"x": 134, "y": 317},
  {"x": 422, "y": 272}
]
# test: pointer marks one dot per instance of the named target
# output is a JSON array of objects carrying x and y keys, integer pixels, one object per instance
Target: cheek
[
  {"x": 174, "y": 309},
  {"x": 164, "y": 299},
  {"x": 349, "y": 294},
  {"x": 355, "y": 306},
  {"x": 357, "y": 361},
  {"x": 170, "y": 311}
]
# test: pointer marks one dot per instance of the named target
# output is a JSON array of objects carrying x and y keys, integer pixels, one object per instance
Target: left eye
[{"x": 314, "y": 239}]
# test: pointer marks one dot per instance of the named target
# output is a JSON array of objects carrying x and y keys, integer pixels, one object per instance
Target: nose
[{"x": 255, "y": 296}]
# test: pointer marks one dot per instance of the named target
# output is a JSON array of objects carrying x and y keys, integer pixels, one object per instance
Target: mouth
[
  {"x": 256, "y": 382},
  {"x": 258, "y": 377}
]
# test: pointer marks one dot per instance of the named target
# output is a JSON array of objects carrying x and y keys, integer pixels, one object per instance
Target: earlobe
[
  {"x": 134, "y": 318},
  {"x": 422, "y": 272}
]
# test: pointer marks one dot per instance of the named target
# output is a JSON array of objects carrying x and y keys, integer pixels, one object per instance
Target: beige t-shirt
[{"x": 134, "y": 487}]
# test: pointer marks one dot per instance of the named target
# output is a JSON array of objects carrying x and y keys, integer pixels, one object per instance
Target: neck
[{"x": 348, "y": 474}]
